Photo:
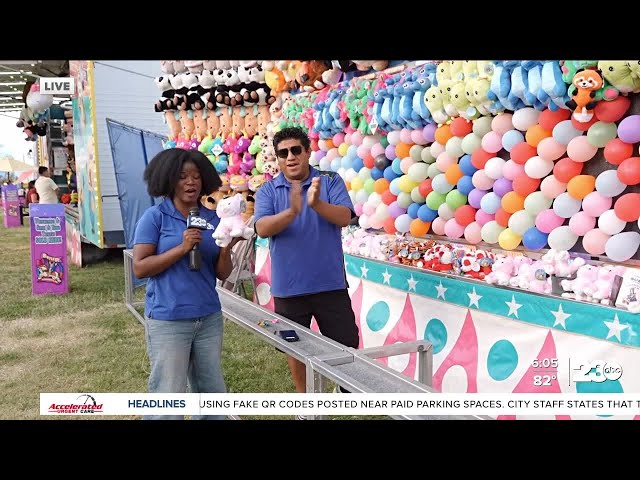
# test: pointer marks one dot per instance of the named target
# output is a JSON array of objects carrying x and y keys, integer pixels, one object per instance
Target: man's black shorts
[{"x": 332, "y": 310}]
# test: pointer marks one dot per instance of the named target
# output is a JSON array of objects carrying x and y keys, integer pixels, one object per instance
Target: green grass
[{"x": 87, "y": 341}]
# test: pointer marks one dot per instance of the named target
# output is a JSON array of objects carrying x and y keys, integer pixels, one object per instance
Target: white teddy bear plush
[{"x": 231, "y": 225}]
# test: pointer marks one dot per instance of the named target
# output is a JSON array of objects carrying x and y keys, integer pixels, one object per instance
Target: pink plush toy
[
  {"x": 562, "y": 264},
  {"x": 501, "y": 271},
  {"x": 583, "y": 286},
  {"x": 231, "y": 225},
  {"x": 604, "y": 283}
]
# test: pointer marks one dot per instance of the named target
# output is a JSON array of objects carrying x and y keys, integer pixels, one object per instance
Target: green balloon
[
  {"x": 369, "y": 185},
  {"x": 435, "y": 199},
  {"x": 455, "y": 199},
  {"x": 384, "y": 142},
  {"x": 601, "y": 133}
]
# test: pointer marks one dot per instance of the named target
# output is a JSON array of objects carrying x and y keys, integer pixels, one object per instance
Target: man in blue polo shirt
[{"x": 302, "y": 211}]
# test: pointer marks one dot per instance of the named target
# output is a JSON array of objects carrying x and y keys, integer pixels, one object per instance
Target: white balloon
[
  {"x": 562, "y": 238},
  {"x": 454, "y": 147},
  {"x": 521, "y": 221},
  {"x": 608, "y": 184},
  {"x": 537, "y": 167},
  {"x": 536, "y": 202},
  {"x": 610, "y": 224},
  {"x": 440, "y": 184},
  {"x": 363, "y": 221},
  {"x": 445, "y": 212},
  {"x": 566, "y": 206},
  {"x": 482, "y": 126},
  {"x": 493, "y": 168},
  {"x": 622, "y": 246},
  {"x": 490, "y": 231},
  {"x": 524, "y": 118},
  {"x": 564, "y": 132}
]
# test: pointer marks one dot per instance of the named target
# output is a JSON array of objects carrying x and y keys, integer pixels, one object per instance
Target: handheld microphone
[{"x": 194, "y": 220}]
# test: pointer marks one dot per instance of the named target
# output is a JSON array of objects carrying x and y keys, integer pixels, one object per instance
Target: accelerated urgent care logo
[{"x": 85, "y": 403}]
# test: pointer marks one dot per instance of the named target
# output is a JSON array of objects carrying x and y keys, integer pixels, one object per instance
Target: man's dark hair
[
  {"x": 42, "y": 170},
  {"x": 32, "y": 183},
  {"x": 163, "y": 172},
  {"x": 291, "y": 133}
]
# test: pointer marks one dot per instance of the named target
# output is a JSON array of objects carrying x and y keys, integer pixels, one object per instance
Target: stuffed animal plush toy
[
  {"x": 194, "y": 66},
  {"x": 309, "y": 75},
  {"x": 213, "y": 123},
  {"x": 166, "y": 66},
  {"x": 211, "y": 200},
  {"x": 251, "y": 122},
  {"x": 230, "y": 210},
  {"x": 582, "y": 102},
  {"x": 618, "y": 73},
  {"x": 173, "y": 121},
  {"x": 366, "y": 65},
  {"x": 166, "y": 101},
  {"x": 200, "y": 125},
  {"x": 226, "y": 122},
  {"x": 186, "y": 121},
  {"x": 237, "y": 119}
]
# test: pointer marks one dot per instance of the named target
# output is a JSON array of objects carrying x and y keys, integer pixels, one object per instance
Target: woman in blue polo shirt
[{"x": 183, "y": 318}]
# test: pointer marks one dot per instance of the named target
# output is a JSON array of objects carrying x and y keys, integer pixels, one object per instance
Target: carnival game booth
[{"x": 498, "y": 214}]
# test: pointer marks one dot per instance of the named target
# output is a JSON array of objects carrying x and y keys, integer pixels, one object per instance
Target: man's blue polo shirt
[
  {"x": 306, "y": 257},
  {"x": 178, "y": 293}
]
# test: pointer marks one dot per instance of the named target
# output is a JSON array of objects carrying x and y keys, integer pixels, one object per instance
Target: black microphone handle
[{"x": 195, "y": 258}]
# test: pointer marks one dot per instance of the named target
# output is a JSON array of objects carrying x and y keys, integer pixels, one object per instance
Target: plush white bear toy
[{"x": 231, "y": 224}]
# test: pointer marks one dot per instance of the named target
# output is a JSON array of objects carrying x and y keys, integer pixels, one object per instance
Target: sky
[{"x": 12, "y": 140}]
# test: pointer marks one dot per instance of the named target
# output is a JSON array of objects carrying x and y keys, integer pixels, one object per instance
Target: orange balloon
[
  {"x": 461, "y": 127},
  {"x": 387, "y": 197},
  {"x": 502, "y": 217},
  {"x": 536, "y": 134},
  {"x": 402, "y": 150},
  {"x": 348, "y": 185},
  {"x": 629, "y": 171},
  {"x": 512, "y": 202},
  {"x": 329, "y": 143},
  {"x": 418, "y": 228},
  {"x": 368, "y": 160},
  {"x": 453, "y": 174},
  {"x": 565, "y": 169},
  {"x": 389, "y": 225},
  {"x": 581, "y": 186},
  {"x": 524, "y": 185},
  {"x": 479, "y": 157},
  {"x": 381, "y": 185},
  {"x": 443, "y": 134}
]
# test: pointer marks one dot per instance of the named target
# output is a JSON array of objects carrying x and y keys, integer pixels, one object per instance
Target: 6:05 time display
[{"x": 545, "y": 363}]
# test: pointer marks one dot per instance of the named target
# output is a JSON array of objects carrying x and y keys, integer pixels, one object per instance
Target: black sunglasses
[{"x": 284, "y": 152}]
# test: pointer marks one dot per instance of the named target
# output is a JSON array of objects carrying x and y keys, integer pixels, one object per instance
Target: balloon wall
[{"x": 512, "y": 167}]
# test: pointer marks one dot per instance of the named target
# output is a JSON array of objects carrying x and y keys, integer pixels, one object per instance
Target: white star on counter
[
  {"x": 412, "y": 283},
  {"x": 441, "y": 290},
  {"x": 387, "y": 277},
  {"x": 474, "y": 298},
  {"x": 364, "y": 270},
  {"x": 561, "y": 317},
  {"x": 513, "y": 306},
  {"x": 615, "y": 328}
]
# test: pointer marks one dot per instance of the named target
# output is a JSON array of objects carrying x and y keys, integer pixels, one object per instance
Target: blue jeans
[{"x": 182, "y": 351}]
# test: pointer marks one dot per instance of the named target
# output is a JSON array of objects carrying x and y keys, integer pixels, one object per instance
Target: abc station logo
[{"x": 597, "y": 371}]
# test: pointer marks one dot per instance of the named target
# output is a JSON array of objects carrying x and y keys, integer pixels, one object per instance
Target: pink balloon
[
  {"x": 368, "y": 209},
  {"x": 547, "y": 220},
  {"x": 472, "y": 233},
  {"x": 551, "y": 187},
  {"x": 405, "y": 163},
  {"x": 358, "y": 209},
  {"x": 377, "y": 149},
  {"x": 436, "y": 149},
  {"x": 481, "y": 181},
  {"x": 347, "y": 138},
  {"x": 444, "y": 161},
  {"x": 483, "y": 217},
  {"x": 492, "y": 142},
  {"x": 501, "y": 123},
  {"x": 417, "y": 137},
  {"x": 453, "y": 229},
  {"x": 356, "y": 138},
  {"x": 405, "y": 136},
  {"x": 362, "y": 151},
  {"x": 394, "y": 137},
  {"x": 438, "y": 226},
  {"x": 580, "y": 149},
  {"x": 594, "y": 241},
  {"x": 338, "y": 139},
  {"x": 511, "y": 170},
  {"x": 550, "y": 149},
  {"x": 333, "y": 153},
  {"x": 581, "y": 223},
  {"x": 595, "y": 204}
]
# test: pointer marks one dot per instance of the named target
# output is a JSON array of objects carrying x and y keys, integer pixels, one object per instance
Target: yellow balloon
[
  {"x": 406, "y": 184},
  {"x": 342, "y": 149},
  {"x": 356, "y": 184},
  {"x": 508, "y": 240}
]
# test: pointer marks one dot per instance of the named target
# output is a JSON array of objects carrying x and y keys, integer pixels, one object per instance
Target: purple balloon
[
  {"x": 429, "y": 132},
  {"x": 629, "y": 129},
  {"x": 395, "y": 210},
  {"x": 475, "y": 196},
  {"x": 502, "y": 186},
  {"x": 390, "y": 152}
]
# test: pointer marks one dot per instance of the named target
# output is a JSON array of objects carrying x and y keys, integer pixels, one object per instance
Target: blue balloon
[
  {"x": 490, "y": 203},
  {"x": 389, "y": 174},
  {"x": 465, "y": 185},
  {"x": 347, "y": 162},
  {"x": 412, "y": 211},
  {"x": 396, "y": 166},
  {"x": 534, "y": 239},
  {"x": 336, "y": 163},
  {"x": 357, "y": 164},
  {"x": 512, "y": 138},
  {"x": 376, "y": 173},
  {"x": 466, "y": 166},
  {"x": 426, "y": 214},
  {"x": 394, "y": 187}
]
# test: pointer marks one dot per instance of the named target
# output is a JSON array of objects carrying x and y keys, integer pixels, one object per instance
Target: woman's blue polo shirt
[{"x": 178, "y": 293}]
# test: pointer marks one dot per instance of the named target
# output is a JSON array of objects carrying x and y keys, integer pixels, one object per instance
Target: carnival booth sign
[
  {"x": 49, "y": 270},
  {"x": 11, "y": 206}
]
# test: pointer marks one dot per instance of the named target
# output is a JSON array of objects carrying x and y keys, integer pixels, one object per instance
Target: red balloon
[
  {"x": 583, "y": 127},
  {"x": 388, "y": 198},
  {"x": 479, "y": 157},
  {"x": 389, "y": 225},
  {"x": 626, "y": 207},
  {"x": 502, "y": 217},
  {"x": 521, "y": 152},
  {"x": 524, "y": 185},
  {"x": 465, "y": 215},
  {"x": 616, "y": 151},
  {"x": 629, "y": 172},
  {"x": 612, "y": 111},
  {"x": 565, "y": 169},
  {"x": 549, "y": 119},
  {"x": 368, "y": 160},
  {"x": 461, "y": 127},
  {"x": 425, "y": 187}
]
